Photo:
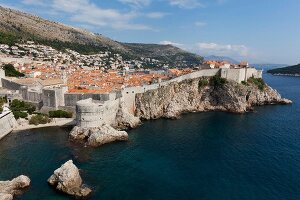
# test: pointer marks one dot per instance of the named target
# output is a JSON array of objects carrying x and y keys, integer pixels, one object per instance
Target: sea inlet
[{"x": 212, "y": 156}]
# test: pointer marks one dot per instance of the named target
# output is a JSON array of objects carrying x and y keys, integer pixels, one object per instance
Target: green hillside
[
  {"x": 18, "y": 26},
  {"x": 291, "y": 70}
]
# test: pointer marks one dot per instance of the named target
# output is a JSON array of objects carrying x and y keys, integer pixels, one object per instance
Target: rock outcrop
[
  {"x": 97, "y": 136},
  {"x": 200, "y": 95},
  {"x": 8, "y": 189},
  {"x": 68, "y": 180},
  {"x": 124, "y": 119}
]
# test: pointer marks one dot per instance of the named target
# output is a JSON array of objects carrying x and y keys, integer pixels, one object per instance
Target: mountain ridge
[{"x": 24, "y": 26}]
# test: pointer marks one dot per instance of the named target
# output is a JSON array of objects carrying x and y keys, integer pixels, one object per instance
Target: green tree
[
  {"x": 218, "y": 81},
  {"x": 39, "y": 119},
  {"x": 60, "y": 114},
  {"x": 11, "y": 71},
  {"x": 20, "y": 106},
  {"x": 259, "y": 82},
  {"x": 8, "y": 39}
]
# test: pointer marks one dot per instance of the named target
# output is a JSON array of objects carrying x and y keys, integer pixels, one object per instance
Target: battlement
[
  {"x": 91, "y": 113},
  {"x": 56, "y": 96}
]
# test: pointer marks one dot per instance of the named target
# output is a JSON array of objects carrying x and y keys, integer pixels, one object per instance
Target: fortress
[
  {"x": 93, "y": 109},
  {"x": 92, "y": 113}
]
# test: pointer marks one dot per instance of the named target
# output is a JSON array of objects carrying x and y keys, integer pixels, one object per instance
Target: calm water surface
[{"x": 201, "y": 156}]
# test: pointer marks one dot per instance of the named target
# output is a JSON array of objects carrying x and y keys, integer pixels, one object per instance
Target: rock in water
[
  {"x": 106, "y": 134},
  {"x": 8, "y": 189},
  {"x": 97, "y": 136},
  {"x": 67, "y": 179}
]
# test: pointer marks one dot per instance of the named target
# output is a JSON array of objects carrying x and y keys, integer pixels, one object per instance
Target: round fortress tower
[{"x": 89, "y": 113}]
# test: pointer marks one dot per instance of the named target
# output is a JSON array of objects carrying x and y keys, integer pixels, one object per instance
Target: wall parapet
[{"x": 7, "y": 123}]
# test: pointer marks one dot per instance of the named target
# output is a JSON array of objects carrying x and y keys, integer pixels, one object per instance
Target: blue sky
[{"x": 263, "y": 31}]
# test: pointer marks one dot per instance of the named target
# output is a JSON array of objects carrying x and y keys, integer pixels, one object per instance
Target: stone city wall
[
  {"x": 7, "y": 123},
  {"x": 2, "y": 75},
  {"x": 128, "y": 94},
  {"x": 11, "y": 85},
  {"x": 58, "y": 97},
  {"x": 239, "y": 75},
  {"x": 71, "y": 99},
  {"x": 91, "y": 113},
  {"x": 54, "y": 96}
]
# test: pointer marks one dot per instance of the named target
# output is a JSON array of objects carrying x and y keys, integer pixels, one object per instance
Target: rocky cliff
[
  {"x": 67, "y": 179},
  {"x": 204, "y": 94},
  {"x": 9, "y": 189}
]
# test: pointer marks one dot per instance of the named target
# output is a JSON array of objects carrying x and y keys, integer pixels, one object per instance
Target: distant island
[{"x": 286, "y": 71}]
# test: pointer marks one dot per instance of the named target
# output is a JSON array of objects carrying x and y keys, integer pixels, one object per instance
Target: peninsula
[
  {"x": 110, "y": 86},
  {"x": 286, "y": 71},
  {"x": 229, "y": 90},
  {"x": 52, "y": 74}
]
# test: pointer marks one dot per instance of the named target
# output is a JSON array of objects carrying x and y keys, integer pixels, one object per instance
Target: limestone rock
[
  {"x": 106, "y": 134},
  {"x": 97, "y": 136},
  {"x": 4, "y": 196},
  {"x": 124, "y": 119},
  {"x": 79, "y": 134},
  {"x": 67, "y": 179},
  {"x": 8, "y": 189},
  {"x": 190, "y": 96}
]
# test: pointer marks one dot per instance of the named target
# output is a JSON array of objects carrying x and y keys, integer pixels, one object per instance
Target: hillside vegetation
[
  {"x": 10, "y": 71},
  {"x": 16, "y": 26},
  {"x": 291, "y": 70}
]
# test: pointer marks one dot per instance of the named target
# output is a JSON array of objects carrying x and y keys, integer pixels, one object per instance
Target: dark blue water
[{"x": 201, "y": 156}]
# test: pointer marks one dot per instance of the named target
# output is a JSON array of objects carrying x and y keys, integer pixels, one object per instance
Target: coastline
[
  {"x": 60, "y": 122},
  {"x": 291, "y": 75},
  {"x": 165, "y": 143}
]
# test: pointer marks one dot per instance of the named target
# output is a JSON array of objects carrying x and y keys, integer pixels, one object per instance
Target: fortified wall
[
  {"x": 7, "y": 123},
  {"x": 242, "y": 74},
  {"x": 91, "y": 113},
  {"x": 56, "y": 97},
  {"x": 2, "y": 75}
]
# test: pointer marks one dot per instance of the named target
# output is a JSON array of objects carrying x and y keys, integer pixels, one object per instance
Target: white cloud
[
  {"x": 156, "y": 15},
  {"x": 34, "y": 2},
  {"x": 200, "y": 24},
  {"x": 166, "y": 42},
  {"x": 88, "y": 13},
  {"x": 223, "y": 50},
  {"x": 136, "y": 3},
  {"x": 187, "y": 4}
]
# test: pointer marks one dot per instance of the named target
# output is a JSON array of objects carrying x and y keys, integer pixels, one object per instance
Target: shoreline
[
  {"x": 59, "y": 122},
  {"x": 290, "y": 75}
]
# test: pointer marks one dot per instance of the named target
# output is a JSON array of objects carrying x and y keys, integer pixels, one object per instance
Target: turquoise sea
[{"x": 213, "y": 156}]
